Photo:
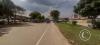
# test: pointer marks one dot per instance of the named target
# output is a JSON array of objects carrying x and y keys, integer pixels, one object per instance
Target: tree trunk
[
  {"x": 14, "y": 18},
  {"x": 93, "y": 21},
  {"x": 8, "y": 20}
]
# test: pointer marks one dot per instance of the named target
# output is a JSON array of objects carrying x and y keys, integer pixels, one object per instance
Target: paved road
[{"x": 34, "y": 34}]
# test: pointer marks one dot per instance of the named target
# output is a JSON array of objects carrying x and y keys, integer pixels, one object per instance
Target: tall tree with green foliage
[
  {"x": 55, "y": 15},
  {"x": 37, "y": 16},
  {"x": 8, "y": 9},
  {"x": 88, "y": 8}
]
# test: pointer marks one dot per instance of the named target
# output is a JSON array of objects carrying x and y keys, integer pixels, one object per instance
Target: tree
[
  {"x": 8, "y": 9},
  {"x": 88, "y": 8},
  {"x": 5, "y": 10},
  {"x": 55, "y": 15},
  {"x": 36, "y": 16},
  {"x": 41, "y": 18}
]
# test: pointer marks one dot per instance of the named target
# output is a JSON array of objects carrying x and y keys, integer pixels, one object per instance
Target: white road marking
[{"x": 37, "y": 43}]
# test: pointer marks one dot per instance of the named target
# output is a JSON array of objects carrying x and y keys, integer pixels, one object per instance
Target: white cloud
[{"x": 23, "y": 0}]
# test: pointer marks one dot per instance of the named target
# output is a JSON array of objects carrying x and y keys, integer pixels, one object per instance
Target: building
[{"x": 80, "y": 20}]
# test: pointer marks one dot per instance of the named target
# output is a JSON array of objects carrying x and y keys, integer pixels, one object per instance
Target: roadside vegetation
[
  {"x": 89, "y": 9},
  {"x": 8, "y": 12},
  {"x": 71, "y": 32},
  {"x": 55, "y": 15},
  {"x": 37, "y": 17}
]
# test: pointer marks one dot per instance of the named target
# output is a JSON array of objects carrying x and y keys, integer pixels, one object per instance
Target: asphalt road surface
[{"x": 34, "y": 34}]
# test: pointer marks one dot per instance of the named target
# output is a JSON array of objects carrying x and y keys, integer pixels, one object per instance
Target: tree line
[
  {"x": 8, "y": 11},
  {"x": 36, "y": 16}
]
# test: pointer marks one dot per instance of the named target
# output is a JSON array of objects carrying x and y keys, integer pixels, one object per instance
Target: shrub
[
  {"x": 2, "y": 22},
  {"x": 66, "y": 19},
  {"x": 74, "y": 22},
  {"x": 97, "y": 24}
]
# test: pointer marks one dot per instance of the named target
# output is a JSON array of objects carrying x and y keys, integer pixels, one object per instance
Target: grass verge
[{"x": 71, "y": 32}]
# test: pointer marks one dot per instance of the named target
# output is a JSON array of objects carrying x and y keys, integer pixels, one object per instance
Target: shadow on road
[
  {"x": 16, "y": 25},
  {"x": 4, "y": 29}
]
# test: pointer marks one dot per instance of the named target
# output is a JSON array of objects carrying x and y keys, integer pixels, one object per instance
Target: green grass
[{"x": 71, "y": 32}]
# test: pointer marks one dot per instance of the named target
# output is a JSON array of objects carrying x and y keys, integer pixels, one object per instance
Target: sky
[{"x": 45, "y": 6}]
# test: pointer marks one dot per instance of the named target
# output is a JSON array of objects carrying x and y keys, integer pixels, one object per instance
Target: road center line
[{"x": 37, "y": 43}]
